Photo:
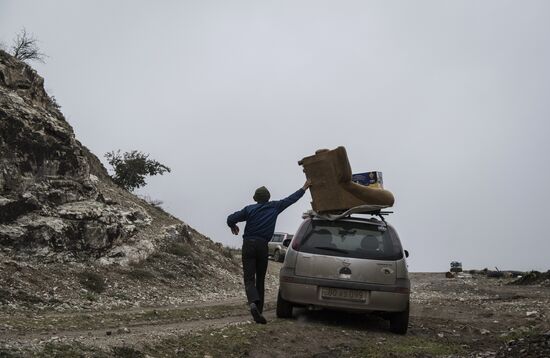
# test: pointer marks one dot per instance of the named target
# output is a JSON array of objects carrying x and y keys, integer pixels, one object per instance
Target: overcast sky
[{"x": 449, "y": 99}]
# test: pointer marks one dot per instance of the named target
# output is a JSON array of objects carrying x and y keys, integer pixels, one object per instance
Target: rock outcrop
[{"x": 56, "y": 199}]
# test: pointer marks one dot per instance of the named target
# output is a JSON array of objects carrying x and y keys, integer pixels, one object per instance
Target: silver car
[
  {"x": 278, "y": 244},
  {"x": 355, "y": 264}
]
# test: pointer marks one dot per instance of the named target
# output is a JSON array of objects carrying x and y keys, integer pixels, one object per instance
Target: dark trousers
[{"x": 254, "y": 254}]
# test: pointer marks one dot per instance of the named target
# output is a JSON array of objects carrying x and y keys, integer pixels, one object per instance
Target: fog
[{"x": 450, "y": 100}]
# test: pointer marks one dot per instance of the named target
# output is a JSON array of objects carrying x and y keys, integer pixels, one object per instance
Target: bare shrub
[
  {"x": 155, "y": 202},
  {"x": 25, "y": 47}
]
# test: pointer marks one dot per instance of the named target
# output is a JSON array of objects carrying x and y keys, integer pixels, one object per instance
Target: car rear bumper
[{"x": 308, "y": 291}]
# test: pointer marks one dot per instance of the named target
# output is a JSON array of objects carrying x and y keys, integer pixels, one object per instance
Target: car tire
[
  {"x": 284, "y": 308},
  {"x": 399, "y": 321},
  {"x": 277, "y": 256}
]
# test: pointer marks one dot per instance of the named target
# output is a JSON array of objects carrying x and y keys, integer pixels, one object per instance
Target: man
[{"x": 260, "y": 224}]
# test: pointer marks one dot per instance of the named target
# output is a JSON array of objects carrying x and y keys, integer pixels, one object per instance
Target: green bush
[
  {"x": 92, "y": 281},
  {"x": 131, "y": 168},
  {"x": 25, "y": 297},
  {"x": 121, "y": 296},
  {"x": 89, "y": 296},
  {"x": 127, "y": 352},
  {"x": 227, "y": 252},
  {"x": 5, "y": 295},
  {"x": 7, "y": 354},
  {"x": 141, "y": 274},
  {"x": 169, "y": 275},
  {"x": 180, "y": 249}
]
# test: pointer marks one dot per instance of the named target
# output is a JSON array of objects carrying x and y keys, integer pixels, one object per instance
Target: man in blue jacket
[{"x": 260, "y": 224}]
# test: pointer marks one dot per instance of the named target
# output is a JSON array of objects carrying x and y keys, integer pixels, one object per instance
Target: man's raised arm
[{"x": 292, "y": 198}]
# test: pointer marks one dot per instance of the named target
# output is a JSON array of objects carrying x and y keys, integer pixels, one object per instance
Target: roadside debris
[
  {"x": 497, "y": 273},
  {"x": 529, "y": 346},
  {"x": 533, "y": 278}
]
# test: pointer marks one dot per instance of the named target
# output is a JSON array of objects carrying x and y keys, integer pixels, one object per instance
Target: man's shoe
[{"x": 258, "y": 318}]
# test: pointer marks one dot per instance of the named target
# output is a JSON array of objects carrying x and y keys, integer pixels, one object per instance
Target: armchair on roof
[{"x": 332, "y": 187}]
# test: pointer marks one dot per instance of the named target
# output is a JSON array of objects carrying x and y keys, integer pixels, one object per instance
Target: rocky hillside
[{"x": 60, "y": 212}]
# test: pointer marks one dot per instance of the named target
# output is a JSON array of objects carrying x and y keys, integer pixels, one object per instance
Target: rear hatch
[{"x": 351, "y": 251}]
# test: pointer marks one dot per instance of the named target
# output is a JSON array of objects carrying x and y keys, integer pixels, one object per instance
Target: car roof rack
[{"x": 374, "y": 210}]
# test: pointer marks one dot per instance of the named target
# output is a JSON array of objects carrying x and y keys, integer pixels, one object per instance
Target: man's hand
[
  {"x": 235, "y": 230},
  {"x": 307, "y": 184}
]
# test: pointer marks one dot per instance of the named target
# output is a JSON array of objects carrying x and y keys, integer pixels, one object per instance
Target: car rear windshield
[{"x": 352, "y": 239}]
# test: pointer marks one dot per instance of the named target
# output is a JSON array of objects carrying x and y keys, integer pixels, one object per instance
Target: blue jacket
[{"x": 261, "y": 218}]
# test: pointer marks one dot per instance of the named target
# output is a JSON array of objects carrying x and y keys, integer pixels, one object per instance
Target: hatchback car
[{"x": 354, "y": 264}]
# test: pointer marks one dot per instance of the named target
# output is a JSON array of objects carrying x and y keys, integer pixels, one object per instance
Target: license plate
[{"x": 343, "y": 294}]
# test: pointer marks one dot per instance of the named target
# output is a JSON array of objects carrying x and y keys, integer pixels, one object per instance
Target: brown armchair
[{"x": 331, "y": 187}]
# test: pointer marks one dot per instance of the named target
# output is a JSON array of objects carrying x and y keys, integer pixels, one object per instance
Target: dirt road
[{"x": 462, "y": 317}]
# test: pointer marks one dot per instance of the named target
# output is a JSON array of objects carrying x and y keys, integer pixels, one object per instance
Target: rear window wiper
[{"x": 331, "y": 249}]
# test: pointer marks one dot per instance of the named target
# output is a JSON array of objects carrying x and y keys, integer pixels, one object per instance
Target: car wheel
[
  {"x": 284, "y": 308},
  {"x": 277, "y": 256},
  {"x": 399, "y": 321}
]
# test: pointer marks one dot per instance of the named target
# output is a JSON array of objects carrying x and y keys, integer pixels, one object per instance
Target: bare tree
[{"x": 25, "y": 47}]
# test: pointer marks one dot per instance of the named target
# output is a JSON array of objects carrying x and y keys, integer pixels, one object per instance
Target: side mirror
[
  {"x": 406, "y": 253},
  {"x": 286, "y": 242}
]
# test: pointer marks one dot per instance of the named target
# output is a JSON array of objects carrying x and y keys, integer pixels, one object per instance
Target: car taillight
[{"x": 301, "y": 233}]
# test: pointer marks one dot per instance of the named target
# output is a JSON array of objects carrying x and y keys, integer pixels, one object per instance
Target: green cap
[{"x": 262, "y": 195}]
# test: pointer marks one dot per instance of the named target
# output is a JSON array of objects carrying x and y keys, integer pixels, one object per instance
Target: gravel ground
[{"x": 468, "y": 316}]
